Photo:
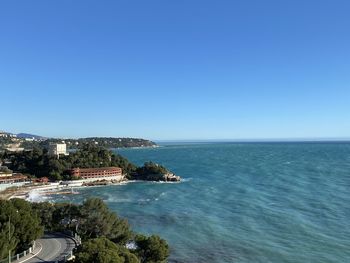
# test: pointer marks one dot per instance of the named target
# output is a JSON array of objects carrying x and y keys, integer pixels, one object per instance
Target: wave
[
  {"x": 151, "y": 182},
  {"x": 144, "y": 200},
  {"x": 36, "y": 197},
  {"x": 184, "y": 180},
  {"x": 119, "y": 200}
]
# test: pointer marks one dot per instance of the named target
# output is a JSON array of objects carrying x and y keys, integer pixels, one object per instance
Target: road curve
[{"x": 54, "y": 247}]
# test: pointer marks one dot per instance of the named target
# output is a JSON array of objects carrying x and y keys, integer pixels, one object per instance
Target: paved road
[{"x": 54, "y": 247}]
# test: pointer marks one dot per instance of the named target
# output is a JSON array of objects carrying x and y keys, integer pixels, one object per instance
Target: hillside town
[
  {"x": 24, "y": 141},
  {"x": 81, "y": 176},
  {"x": 16, "y": 143},
  {"x": 51, "y": 168}
]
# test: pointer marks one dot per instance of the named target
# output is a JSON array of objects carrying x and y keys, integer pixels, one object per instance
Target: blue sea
[{"x": 242, "y": 202}]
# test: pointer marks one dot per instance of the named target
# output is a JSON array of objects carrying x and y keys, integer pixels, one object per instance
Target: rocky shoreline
[{"x": 170, "y": 177}]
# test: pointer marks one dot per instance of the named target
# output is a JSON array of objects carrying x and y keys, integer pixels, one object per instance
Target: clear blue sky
[{"x": 183, "y": 69}]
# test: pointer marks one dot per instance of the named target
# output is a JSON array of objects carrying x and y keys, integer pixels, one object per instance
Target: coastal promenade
[
  {"x": 23, "y": 192},
  {"x": 51, "y": 247}
]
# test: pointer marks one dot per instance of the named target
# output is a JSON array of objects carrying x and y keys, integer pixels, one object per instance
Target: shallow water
[{"x": 248, "y": 202}]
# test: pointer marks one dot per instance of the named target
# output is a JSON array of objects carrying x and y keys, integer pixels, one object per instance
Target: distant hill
[
  {"x": 21, "y": 135},
  {"x": 108, "y": 142},
  {"x": 29, "y": 136},
  {"x": 24, "y": 140}
]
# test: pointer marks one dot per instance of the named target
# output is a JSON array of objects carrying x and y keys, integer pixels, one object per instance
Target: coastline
[{"x": 25, "y": 192}]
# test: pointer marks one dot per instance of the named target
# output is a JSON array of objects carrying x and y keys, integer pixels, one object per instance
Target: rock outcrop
[{"x": 170, "y": 177}]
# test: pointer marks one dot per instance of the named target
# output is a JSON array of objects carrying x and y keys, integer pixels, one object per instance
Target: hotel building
[{"x": 101, "y": 173}]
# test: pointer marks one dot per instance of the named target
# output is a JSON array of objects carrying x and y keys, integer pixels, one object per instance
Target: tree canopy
[
  {"x": 104, "y": 234},
  {"x": 19, "y": 226},
  {"x": 98, "y": 220},
  {"x": 152, "y": 249},
  {"x": 151, "y": 171},
  {"x": 39, "y": 163},
  {"x": 91, "y": 219},
  {"x": 108, "y": 142},
  {"x": 102, "y": 250}
]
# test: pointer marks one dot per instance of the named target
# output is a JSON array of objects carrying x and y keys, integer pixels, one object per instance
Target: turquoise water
[{"x": 249, "y": 202}]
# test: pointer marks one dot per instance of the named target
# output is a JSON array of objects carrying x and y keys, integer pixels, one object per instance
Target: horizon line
[
  {"x": 297, "y": 139},
  {"x": 263, "y": 139}
]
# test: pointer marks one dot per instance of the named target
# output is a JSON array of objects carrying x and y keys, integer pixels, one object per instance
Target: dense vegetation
[
  {"x": 151, "y": 172},
  {"x": 78, "y": 143},
  {"x": 25, "y": 141},
  {"x": 150, "y": 249},
  {"x": 109, "y": 236},
  {"x": 5, "y": 141},
  {"x": 39, "y": 163},
  {"x": 19, "y": 226},
  {"x": 104, "y": 234},
  {"x": 107, "y": 142},
  {"x": 103, "y": 250}
]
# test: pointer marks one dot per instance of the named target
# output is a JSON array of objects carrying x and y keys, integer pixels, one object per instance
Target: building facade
[
  {"x": 96, "y": 173},
  {"x": 13, "y": 178},
  {"x": 57, "y": 149}
]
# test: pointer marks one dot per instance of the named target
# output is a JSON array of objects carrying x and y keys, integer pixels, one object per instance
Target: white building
[
  {"x": 57, "y": 149},
  {"x": 5, "y": 172}
]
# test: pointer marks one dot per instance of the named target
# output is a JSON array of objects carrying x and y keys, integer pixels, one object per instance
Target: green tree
[
  {"x": 45, "y": 211},
  {"x": 151, "y": 249},
  {"x": 55, "y": 176},
  {"x": 57, "y": 217},
  {"x": 151, "y": 171},
  {"x": 102, "y": 250},
  {"x": 97, "y": 220},
  {"x": 19, "y": 226},
  {"x": 7, "y": 244}
]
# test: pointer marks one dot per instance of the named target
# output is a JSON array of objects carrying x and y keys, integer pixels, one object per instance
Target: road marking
[{"x": 34, "y": 255}]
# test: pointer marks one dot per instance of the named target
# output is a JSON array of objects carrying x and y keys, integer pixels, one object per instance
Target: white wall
[
  {"x": 108, "y": 178},
  {"x": 5, "y": 186}
]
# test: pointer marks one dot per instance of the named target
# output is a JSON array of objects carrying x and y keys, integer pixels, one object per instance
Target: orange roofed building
[
  {"x": 101, "y": 172},
  {"x": 13, "y": 178},
  {"x": 43, "y": 180}
]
